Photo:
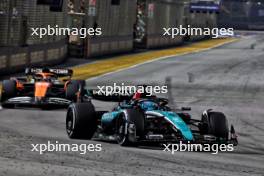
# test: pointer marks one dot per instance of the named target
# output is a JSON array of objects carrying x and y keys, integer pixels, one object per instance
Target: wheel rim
[
  {"x": 70, "y": 122},
  {"x": 121, "y": 137}
]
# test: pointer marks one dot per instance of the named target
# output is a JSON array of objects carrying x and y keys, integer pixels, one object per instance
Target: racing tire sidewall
[
  {"x": 136, "y": 117},
  {"x": 217, "y": 124},
  {"x": 81, "y": 121},
  {"x": 8, "y": 89}
]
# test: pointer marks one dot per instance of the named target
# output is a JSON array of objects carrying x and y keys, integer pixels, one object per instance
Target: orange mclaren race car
[{"x": 42, "y": 88}]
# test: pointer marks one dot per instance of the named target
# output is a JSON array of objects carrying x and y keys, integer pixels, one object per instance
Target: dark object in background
[
  {"x": 242, "y": 15},
  {"x": 55, "y": 5},
  {"x": 115, "y": 2},
  {"x": 44, "y": 2}
]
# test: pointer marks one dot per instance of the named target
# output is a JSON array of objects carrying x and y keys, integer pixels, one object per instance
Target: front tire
[
  {"x": 130, "y": 125},
  {"x": 81, "y": 122},
  {"x": 216, "y": 124}
]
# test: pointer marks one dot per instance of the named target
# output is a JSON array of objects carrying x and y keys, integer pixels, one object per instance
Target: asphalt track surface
[{"x": 228, "y": 78}]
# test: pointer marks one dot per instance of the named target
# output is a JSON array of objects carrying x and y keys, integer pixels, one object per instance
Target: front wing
[{"x": 34, "y": 102}]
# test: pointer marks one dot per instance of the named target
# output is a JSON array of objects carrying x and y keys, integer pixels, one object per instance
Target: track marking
[{"x": 117, "y": 64}]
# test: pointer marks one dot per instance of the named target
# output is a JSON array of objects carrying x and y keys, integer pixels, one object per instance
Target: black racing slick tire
[
  {"x": 126, "y": 135},
  {"x": 8, "y": 90},
  {"x": 217, "y": 124},
  {"x": 81, "y": 121},
  {"x": 73, "y": 88}
]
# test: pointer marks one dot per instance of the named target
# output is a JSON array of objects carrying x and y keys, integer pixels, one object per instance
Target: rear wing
[{"x": 59, "y": 72}]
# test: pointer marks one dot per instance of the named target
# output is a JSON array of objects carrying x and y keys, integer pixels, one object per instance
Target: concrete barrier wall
[
  {"x": 16, "y": 26},
  {"x": 163, "y": 14},
  {"x": 202, "y": 20},
  {"x": 199, "y": 19},
  {"x": 16, "y": 59},
  {"x": 3, "y": 23},
  {"x": 18, "y": 48},
  {"x": 116, "y": 22}
]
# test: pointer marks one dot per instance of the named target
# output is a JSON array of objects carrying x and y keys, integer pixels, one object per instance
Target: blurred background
[{"x": 127, "y": 25}]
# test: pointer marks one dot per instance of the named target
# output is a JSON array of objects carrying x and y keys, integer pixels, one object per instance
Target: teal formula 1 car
[{"x": 147, "y": 119}]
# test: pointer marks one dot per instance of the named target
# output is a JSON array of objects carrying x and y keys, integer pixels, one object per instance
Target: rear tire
[
  {"x": 217, "y": 124},
  {"x": 81, "y": 122},
  {"x": 130, "y": 116},
  {"x": 8, "y": 90},
  {"x": 73, "y": 88}
]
